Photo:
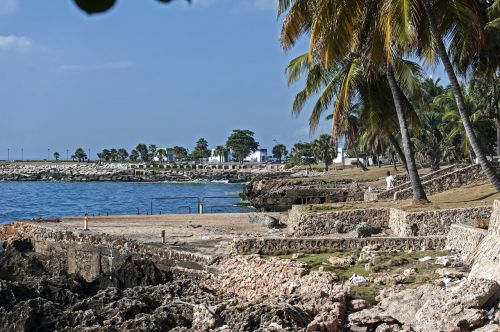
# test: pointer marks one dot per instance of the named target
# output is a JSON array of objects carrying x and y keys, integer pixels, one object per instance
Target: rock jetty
[{"x": 118, "y": 172}]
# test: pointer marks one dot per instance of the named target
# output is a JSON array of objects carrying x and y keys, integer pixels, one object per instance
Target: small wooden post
[
  {"x": 86, "y": 223},
  {"x": 163, "y": 236}
]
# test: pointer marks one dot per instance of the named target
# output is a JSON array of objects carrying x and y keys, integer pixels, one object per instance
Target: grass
[
  {"x": 392, "y": 263},
  {"x": 476, "y": 194}
]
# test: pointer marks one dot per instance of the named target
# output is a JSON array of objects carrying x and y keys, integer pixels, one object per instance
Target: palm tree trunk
[
  {"x": 398, "y": 150},
  {"x": 459, "y": 98},
  {"x": 418, "y": 189}
]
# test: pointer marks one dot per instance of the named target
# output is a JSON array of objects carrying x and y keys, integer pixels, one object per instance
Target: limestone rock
[
  {"x": 203, "y": 318},
  {"x": 342, "y": 261},
  {"x": 404, "y": 305},
  {"x": 489, "y": 328},
  {"x": 369, "y": 317},
  {"x": 364, "y": 230},
  {"x": 359, "y": 304},
  {"x": 265, "y": 219}
]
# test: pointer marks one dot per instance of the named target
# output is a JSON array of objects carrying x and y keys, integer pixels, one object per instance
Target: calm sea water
[{"x": 28, "y": 200}]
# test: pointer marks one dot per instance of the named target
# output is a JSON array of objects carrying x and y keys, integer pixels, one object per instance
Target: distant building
[
  {"x": 341, "y": 158},
  {"x": 258, "y": 156},
  {"x": 168, "y": 157},
  {"x": 219, "y": 159}
]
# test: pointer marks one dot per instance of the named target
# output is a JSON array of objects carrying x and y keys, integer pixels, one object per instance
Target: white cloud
[
  {"x": 8, "y": 6},
  {"x": 15, "y": 43},
  {"x": 95, "y": 66}
]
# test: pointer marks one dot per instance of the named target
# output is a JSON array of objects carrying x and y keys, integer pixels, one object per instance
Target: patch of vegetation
[
  {"x": 392, "y": 263},
  {"x": 367, "y": 292}
]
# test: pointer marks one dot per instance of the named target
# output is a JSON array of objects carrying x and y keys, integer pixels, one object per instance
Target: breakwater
[{"x": 84, "y": 172}]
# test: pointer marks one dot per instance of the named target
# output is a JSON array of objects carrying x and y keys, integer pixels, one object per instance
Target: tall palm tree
[
  {"x": 341, "y": 31},
  {"x": 454, "y": 127},
  {"x": 485, "y": 91},
  {"x": 462, "y": 22},
  {"x": 374, "y": 107}
]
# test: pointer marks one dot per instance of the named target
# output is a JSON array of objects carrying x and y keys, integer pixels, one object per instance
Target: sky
[{"x": 144, "y": 72}]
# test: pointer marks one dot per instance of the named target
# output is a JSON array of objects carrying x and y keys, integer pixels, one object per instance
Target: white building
[
  {"x": 340, "y": 159},
  {"x": 258, "y": 156},
  {"x": 168, "y": 157},
  {"x": 219, "y": 159}
]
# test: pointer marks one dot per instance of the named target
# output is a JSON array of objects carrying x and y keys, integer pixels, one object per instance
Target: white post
[
  {"x": 200, "y": 207},
  {"x": 86, "y": 223}
]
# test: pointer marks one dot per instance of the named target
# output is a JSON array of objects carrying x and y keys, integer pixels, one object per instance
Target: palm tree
[
  {"x": 279, "y": 150},
  {"x": 80, "y": 155},
  {"x": 122, "y": 154},
  {"x": 142, "y": 149},
  {"x": 221, "y": 152},
  {"x": 462, "y": 21},
  {"x": 346, "y": 33},
  {"x": 485, "y": 91},
  {"x": 134, "y": 155},
  {"x": 179, "y": 152},
  {"x": 56, "y": 156},
  {"x": 152, "y": 151},
  {"x": 113, "y": 153},
  {"x": 324, "y": 149},
  {"x": 373, "y": 109},
  {"x": 161, "y": 153},
  {"x": 453, "y": 125}
]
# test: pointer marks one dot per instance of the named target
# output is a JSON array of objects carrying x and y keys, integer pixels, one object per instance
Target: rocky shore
[
  {"x": 279, "y": 193},
  {"x": 118, "y": 172},
  {"x": 143, "y": 296}
]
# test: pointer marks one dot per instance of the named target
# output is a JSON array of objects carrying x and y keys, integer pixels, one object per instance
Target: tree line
[{"x": 240, "y": 143}]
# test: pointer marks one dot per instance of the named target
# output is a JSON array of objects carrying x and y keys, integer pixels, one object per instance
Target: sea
[{"x": 33, "y": 200}]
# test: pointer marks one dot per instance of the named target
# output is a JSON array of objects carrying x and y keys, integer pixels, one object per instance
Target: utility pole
[
  {"x": 67, "y": 155},
  {"x": 8, "y": 154},
  {"x": 88, "y": 157},
  {"x": 48, "y": 154},
  {"x": 22, "y": 154}
]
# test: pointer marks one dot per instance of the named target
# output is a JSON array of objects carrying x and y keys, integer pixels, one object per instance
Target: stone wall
[
  {"x": 308, "y": 245},
  {"x": 89, "y": 254},
  {"x": 435, "y": 222},
  {"x": 303, "y": 221},
  {"x": 464, "y": 239},
  {"x": 389, "y": 194},
  {"x": 486, "y": 257},
  {"x": 456, "y": 179}
]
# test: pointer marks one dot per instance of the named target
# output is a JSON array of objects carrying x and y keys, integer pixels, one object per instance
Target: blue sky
[{"x": 142, "y": 73}]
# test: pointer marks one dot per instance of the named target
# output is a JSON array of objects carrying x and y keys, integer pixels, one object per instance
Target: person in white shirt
[{"x": 390, "y": 180}]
